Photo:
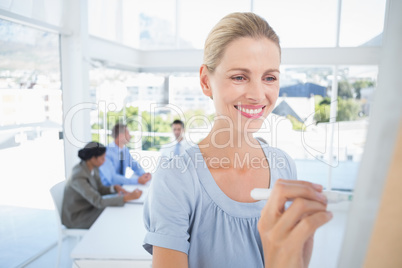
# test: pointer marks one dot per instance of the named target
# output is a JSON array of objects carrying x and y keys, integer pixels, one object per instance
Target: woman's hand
[
  {"x": 287, "y": 235},
  {"x": 119, "y": 189}
]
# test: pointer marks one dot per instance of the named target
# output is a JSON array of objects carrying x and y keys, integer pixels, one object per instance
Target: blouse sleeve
[{"x": 168, "y": 207}]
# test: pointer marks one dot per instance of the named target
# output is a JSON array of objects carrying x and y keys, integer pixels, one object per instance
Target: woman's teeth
[{"x": 250, "y": 111}]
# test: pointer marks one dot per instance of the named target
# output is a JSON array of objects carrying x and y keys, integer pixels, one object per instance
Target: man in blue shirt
[{"x": 118, "y": 158}]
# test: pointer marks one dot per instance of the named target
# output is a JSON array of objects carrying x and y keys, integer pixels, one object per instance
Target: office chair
[{"x": 57, "y": 192}]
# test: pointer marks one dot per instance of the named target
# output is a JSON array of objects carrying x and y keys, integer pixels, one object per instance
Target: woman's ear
[{"x": 204, "y": 80}]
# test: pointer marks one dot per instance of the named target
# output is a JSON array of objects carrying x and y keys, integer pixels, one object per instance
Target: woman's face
[
  {"x": 98, "y": 161},
  {"x": 245, "y": 84}
]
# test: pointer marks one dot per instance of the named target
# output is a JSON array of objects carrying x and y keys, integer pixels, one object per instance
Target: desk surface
[{"x": 117, "y": 234}]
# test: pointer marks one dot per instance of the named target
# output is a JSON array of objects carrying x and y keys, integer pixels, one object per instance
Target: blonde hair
[{"x": 232, "y": 27}]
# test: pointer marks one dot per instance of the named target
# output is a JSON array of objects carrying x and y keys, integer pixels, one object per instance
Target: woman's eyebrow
[
  {"x": 239, "y": 69},
  {"x": 248, "y": 71},
  {"x": 272, "y": 71}
]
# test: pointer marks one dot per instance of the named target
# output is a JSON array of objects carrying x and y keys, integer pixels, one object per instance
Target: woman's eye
[
  {"x": 238, "y": 78},
  {"x": 270, "y": 79}
]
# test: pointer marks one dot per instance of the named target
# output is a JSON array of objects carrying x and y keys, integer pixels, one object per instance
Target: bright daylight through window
[{"x": 30, "y": 123}]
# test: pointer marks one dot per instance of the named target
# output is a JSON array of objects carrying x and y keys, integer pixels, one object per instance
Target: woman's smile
[{"x": 251, "y": 111}]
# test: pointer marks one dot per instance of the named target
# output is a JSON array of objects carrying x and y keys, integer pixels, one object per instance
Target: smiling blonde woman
[{"x": 199, "y": 212}]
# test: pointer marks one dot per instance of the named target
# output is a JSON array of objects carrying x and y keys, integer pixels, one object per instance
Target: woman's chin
[{"x": 251, "y": 126}]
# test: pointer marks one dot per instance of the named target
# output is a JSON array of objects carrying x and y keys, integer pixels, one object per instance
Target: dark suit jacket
[{"x": 83, "y": 198}]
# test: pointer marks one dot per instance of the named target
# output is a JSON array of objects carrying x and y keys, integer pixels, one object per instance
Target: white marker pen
[{"x": 332, "y": 196}]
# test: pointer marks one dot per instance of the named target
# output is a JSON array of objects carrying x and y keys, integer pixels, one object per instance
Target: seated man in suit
[{"x": 118, "y": 158}]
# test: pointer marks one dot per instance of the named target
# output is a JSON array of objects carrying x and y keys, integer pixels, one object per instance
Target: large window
[
  {"x": 140, "y": 24},
  {"x": 130, "y": 98},
  {"x": 169, "y": 24},
  {"x": 362, "y": 23},
  {"x": 148, "y": 103},
  {"x": 31, "y": 152},
  {"x": 46, "y": 11},
  {"x": 197, "y": 110},
  {"x": 300, "y": 25},
  {"x": 193, "y": 25},
  {"x": 157, "y": 24}
]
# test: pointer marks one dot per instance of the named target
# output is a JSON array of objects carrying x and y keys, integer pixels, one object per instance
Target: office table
[{"x": 114, "y": 240}]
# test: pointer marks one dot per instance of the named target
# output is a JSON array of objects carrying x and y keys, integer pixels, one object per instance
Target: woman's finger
[
  {"x": 291, "y": 189},
  {"x": 317, "y": 187},
  {"x": 308, "y": 225},
  {"x": 299, "y": 209},
  {"x": 285, "y": 190}
]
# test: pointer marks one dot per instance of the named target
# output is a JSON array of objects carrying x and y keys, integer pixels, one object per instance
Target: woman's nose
[{"x": 255, "y": 91}]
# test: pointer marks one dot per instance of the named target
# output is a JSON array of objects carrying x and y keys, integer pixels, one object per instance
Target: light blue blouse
[{"x": 185, "y": 210}]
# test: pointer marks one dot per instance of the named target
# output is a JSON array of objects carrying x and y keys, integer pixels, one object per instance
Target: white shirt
[{"x": 167, "y": 150}]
